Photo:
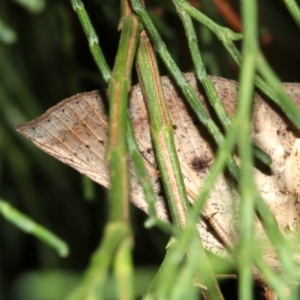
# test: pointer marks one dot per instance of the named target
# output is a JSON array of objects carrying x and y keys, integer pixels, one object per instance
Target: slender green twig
[
  {"x": 92, "y": 37},
  {"x": 224, "y": 34},
  {"x": 220, "y": 31},
  {"x": 29, "y": 226},
  {"x": 247, "y": 185},
  {"x": 143, "y": 177},
  {"x": 162, "y": 132},
  {"x": 200, "y": 71},
  {"x": 119, "y": 88}
]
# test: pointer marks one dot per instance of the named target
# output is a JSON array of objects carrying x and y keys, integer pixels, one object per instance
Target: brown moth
[{"x": 75, "y": 131}]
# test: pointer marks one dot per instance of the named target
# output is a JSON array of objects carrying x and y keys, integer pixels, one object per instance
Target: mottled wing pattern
[{"x": 76, "y": 132}]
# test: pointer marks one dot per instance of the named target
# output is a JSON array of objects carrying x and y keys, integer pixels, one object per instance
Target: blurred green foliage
[{"x": 44, "y": 58}]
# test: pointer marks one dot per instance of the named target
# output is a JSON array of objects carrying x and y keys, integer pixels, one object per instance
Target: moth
[{"x": 75, "y": 131}]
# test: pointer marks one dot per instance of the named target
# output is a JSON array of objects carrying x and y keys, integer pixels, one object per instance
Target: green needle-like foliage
[{"x": 39, "y": 62}]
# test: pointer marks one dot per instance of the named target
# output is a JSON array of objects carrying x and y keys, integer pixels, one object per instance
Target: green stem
[
  {"x": 92, "y": 38},
  {"x": 162, "y": 133},
  {"x": 26, "y": 224},
  {"x": 119, "y": 88},
  {"x": 223, "y": 33},
  {"x": 144, "y": 180},
  {"x": 247, "y": 185}
]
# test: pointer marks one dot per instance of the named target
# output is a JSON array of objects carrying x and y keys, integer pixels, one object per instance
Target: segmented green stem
[{"x": 92, "y": 38}]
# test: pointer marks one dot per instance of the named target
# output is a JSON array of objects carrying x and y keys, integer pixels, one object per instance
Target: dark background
[{"x": 49, "y": 60}]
